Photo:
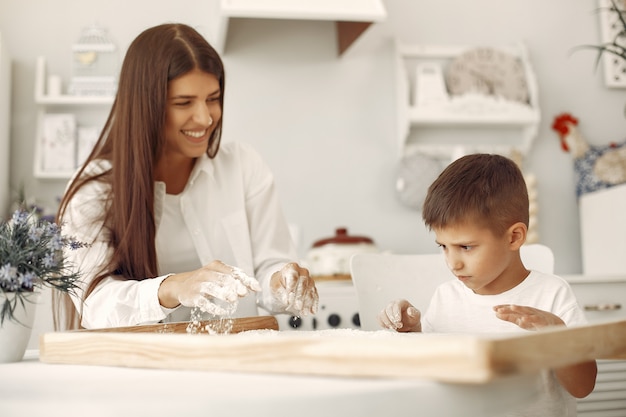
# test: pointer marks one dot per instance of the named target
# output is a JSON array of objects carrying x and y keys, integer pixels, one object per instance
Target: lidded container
[{"x": 329, "y": 258}]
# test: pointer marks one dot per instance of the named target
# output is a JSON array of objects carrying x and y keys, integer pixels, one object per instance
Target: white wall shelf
[
  {"x": 487, "y": 115},
  {"x": 46, "y": 103},
  {"x": 352, "y": 17},
  {"x": 438, "y": 116},
  {"x": 67, "y": 100},
  {"x": 62, "y": 99}
]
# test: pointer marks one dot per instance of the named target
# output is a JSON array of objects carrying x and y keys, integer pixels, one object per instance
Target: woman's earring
[{"x": 210, "y": 121}]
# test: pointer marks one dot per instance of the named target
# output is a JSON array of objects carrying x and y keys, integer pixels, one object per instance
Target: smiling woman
[
  {"x": 192, "y": 114},
  {"x": 175, "y": 222}
]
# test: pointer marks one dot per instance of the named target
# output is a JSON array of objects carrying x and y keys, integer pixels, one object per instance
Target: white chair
[
  {"x": 538, "y": 257},
  {"x": 380, "y": 278}
]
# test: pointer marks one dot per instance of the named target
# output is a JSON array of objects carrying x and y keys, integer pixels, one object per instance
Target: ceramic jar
[{"x": 330, "y": 257}]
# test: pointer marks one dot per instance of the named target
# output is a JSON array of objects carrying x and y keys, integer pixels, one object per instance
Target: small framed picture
[
  {"x": 612, "y": 28},
  {"x": 59, "y": 142}
]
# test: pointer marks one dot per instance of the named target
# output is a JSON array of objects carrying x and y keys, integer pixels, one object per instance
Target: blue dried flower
[
  {"x": 19, "y": 217},
  {"x": 31, "y": 255},
  {"x": 35, "y": 233},
  {"x": 48, "y": 260},
  {"x": 56, "y": 242},
  {"x": 74, "y": 244},
  {"x": 27, "y": 279},
  {"x": 7, "y": 272}
]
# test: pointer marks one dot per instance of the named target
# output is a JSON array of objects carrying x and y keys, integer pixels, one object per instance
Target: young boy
[{"x": 478, "y": 210}]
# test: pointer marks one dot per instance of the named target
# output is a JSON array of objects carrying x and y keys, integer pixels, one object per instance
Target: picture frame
[{"x": 610, "y": 26}]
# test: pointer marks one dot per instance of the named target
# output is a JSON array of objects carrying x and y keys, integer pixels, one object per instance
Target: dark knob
[
  {"x": 334, "y": 320},
  {"x": 295, "y": 322},
  {"x": 356, "y": 320}
]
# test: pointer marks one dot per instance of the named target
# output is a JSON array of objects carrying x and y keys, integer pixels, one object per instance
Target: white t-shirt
[{"x": 454, "y": 308}]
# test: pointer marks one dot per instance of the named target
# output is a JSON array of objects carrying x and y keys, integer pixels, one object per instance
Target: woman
[{"x": 159, "y": 201}]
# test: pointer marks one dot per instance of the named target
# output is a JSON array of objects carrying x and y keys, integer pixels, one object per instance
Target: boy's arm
[{"x": 580, "y": 379}]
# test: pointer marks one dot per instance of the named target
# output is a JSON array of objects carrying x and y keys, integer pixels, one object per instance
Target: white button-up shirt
[{"x": 229, "y": 210}]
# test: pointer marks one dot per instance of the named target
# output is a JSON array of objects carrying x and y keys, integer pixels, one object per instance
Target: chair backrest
[
  {"x": 538, "y": 257},
  {"x": 380, "y": 278}
]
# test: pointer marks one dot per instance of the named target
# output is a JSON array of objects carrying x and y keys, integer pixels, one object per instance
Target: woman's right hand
[
  {"x": 401, "y": 316},
  {"x": 214, "y": 288}
]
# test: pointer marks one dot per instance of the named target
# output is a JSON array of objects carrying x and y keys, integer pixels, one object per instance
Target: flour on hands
[
  {"x": 217, "y": 293},
  {"x": 293, "y": 291}
]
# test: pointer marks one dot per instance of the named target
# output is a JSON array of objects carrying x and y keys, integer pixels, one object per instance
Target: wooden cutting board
[{"x": 343, "y": 352}]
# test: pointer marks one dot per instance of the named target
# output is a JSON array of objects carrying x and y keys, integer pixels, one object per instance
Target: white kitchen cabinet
[
  {"x": 431, "y": 121},
  {"x": 89, "y": 111},
  {"x": 600, "y": 211},
  {"x": 5, "y": 111},
  {"x": 352, "y": 17},
  {"x": 603, "y": 298}
]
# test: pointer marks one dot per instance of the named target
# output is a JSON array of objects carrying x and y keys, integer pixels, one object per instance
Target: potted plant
[{"x": 31, "y": 257}]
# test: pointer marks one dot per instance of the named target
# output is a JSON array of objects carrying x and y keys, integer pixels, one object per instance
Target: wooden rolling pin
[{"x": 238, "y": 325}]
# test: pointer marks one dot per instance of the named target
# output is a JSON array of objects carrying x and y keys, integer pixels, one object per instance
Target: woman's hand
[
  {"x": 214, "y": 288},
  {"x": 401, "y": 316},
  {"x": 528, "y": 318},
  {"x": 293, "y": 291}
]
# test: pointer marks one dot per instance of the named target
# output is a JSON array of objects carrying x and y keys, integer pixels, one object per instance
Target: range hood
[{"x": 352, "y": 17}]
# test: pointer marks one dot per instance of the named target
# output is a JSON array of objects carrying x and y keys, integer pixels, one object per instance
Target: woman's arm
[
  {"x": 114, "y": 301},
  {"x": 272, "y": 248}
]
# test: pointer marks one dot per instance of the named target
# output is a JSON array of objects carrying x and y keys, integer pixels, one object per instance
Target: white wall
[
  {"x": 326, "y": 124},
  {"x": 5, "y": 111}
]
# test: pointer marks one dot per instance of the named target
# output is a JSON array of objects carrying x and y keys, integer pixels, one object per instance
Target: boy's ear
[{"x": 517, "y": 235}]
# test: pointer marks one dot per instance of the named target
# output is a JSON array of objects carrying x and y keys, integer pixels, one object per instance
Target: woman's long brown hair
[{"x": 132, "y": 141}]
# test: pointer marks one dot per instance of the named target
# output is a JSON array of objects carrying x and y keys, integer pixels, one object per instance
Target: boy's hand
[
  {"x": 527, "y": 317},
  {"x": 401, "y": 316}
]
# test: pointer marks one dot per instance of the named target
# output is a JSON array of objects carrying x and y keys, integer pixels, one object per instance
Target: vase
[{"x": 14, "y": 334}]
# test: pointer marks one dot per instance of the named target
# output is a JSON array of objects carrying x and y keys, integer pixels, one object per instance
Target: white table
[{"x": 32, "y": 388}]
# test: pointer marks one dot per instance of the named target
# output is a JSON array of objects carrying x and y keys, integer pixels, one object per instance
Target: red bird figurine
[{"x": 597, "y": 167}]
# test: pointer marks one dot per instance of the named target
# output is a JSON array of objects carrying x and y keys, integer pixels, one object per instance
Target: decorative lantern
[{"x": 94, "y": 64}]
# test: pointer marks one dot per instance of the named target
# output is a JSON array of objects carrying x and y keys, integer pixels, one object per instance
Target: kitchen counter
[{"x": 32, "y": 388}]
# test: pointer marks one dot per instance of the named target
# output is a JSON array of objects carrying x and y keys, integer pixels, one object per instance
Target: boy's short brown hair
[{"x": 482, "y": 188}]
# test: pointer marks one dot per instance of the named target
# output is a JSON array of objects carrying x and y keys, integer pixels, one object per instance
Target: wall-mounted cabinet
[
  {"x": 494, "y": 107},
  {"x": 74, "y": 121},
  {"x": 352, "y": 17}
]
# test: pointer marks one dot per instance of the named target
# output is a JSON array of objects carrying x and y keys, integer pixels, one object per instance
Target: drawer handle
[{"x": 603, "y": 307}]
